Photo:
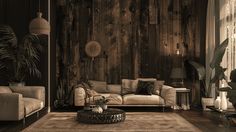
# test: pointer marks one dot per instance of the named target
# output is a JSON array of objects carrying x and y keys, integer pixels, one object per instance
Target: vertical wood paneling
[
  {"x": 138, "y": 37},
  {"x": 144, "y": 34}
]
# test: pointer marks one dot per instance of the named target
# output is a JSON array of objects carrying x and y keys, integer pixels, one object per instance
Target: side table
[{"x": 182, "y": 98}]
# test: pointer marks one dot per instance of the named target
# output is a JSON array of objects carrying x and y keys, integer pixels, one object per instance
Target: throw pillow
[
  {"x": 158, "y": 86},
  {"x": 128, "y": 86},
  {"x": 145, "y": 87},
  {"x": 99, "y": 86}
]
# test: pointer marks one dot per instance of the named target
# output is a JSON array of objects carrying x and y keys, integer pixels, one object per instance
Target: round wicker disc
[{"x": 93, "y": 49}]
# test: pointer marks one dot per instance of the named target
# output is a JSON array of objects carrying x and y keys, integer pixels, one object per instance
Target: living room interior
[{"x": 117, "y": 65}]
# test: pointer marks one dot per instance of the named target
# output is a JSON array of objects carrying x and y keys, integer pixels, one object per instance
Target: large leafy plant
[
  {"x": 216, "y": 70},
  {"x": 18, "y": 60}
]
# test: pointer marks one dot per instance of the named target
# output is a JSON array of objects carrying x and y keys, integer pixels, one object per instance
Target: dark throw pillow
[{"x": 145, "y": 87}]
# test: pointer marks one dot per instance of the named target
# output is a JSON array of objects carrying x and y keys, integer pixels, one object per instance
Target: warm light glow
[{"x": 177, "y": 52}]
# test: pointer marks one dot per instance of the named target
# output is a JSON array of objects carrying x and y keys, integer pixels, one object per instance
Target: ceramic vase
[
  {"x": 104, "y": 106},
  {"x": 223, "y": 102},
  {"x": 217, "y": 102}
]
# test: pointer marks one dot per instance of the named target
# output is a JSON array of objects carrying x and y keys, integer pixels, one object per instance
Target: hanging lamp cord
[{"x": 39, "y": 5}]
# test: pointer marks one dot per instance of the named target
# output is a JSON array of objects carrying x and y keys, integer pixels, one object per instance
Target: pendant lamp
[{"x": 39, "y": 25}]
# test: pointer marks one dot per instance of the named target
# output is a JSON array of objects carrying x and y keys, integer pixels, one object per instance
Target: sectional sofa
[{"x": 124, "y": 94}]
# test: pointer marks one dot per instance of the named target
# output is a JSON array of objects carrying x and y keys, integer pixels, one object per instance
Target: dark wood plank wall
[{"x": 138, "y": 38}]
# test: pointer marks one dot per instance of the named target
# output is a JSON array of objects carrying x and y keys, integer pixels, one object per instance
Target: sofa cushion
[
  {"x": 99, "y": 86},
  {"x": 145, "y": 88},
  {"x": 129, "y": 86},
  {"x": 158, "y": 84},
  {"x": 114, "y": 88},
  {"x": 132, "y": 99},
  {"x": 31, "y": 105},
  {"x": 5, "y": 89},
  {"x": 114, "y": 99}
]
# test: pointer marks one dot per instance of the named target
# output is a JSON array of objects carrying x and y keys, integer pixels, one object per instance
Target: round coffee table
[{"x": 110, "y": 115}]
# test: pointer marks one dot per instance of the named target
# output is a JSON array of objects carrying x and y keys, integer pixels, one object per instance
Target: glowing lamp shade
[{"x": 39, "y": 25}]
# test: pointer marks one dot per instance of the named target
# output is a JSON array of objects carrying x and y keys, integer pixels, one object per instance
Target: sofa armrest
[
  {"x": 168, "y": 93},
  {"x": 37, "y": 92},
  {"x": 12, "y": 107},
  {"x": 79, "y": 96}
]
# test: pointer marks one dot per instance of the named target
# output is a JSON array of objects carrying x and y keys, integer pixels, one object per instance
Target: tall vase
[
  {"x": 223, "y": 102},
  {"x": 217, "y": 102}
]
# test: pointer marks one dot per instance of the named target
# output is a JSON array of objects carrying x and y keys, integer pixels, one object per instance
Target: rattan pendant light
[{"x": 39, "y": 25}]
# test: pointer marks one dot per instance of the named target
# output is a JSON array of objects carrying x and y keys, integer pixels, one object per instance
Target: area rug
[{"x": 135, "y": 121}]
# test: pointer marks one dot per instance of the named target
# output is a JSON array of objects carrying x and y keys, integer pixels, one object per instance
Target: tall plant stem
[{"x": 208, "y": 87}]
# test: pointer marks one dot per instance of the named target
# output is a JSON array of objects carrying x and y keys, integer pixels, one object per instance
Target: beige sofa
[
  {"x": 19, "y": 102},
  {"x": 124, "y": 95}
]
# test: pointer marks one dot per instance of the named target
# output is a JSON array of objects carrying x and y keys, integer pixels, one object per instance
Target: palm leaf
[
  {"x": 218, "y": 54},
  {"x": 19, "y": 59},
  {"x": 7, "y": 36},
  {"x": 200, "y": 69}
]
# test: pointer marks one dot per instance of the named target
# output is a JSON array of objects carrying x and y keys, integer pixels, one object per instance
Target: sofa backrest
[
  {"x": 99, "y": 86},
  {"x": 130, "y": 86},
  {"x": 5, "y": 89},
  {"x": 114, "y": 88}
]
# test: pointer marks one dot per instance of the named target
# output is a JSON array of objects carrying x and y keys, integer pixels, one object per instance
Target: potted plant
[
  {"x": 216, "y": 73},
  {"x": 102, "y": 102},
  {"x": 18, "y": 60}
]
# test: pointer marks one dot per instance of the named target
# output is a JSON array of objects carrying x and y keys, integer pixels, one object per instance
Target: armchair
[{"x": 19, "y": 102}]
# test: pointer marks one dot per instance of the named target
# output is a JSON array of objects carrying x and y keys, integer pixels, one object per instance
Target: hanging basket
[{"x": 93, "y": 49}]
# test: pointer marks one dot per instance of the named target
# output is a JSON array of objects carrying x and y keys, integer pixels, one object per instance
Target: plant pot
[
  {"x": 16, "y": 84},
  {"x": 104, "y": 107},
  {"x": 207, "y": 102}
]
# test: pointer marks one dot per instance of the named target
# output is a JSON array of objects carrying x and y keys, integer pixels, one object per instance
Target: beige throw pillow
[
  {"x": 158, "y": 86},
  {"x": 129, "y": 86}
]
